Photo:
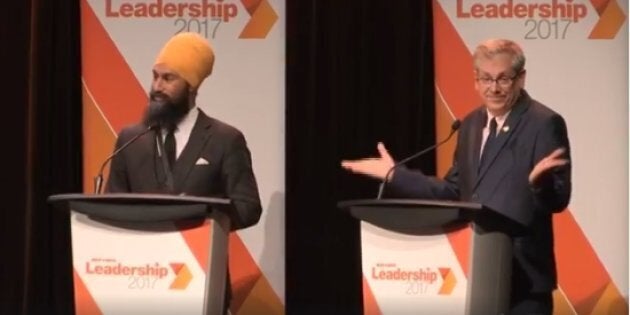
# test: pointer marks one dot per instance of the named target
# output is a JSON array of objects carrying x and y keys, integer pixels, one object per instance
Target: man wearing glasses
[{"x": 513, "y": 156}]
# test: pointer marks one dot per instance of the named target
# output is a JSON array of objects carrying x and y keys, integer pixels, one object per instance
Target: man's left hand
[{"x": 550, "y": 161}]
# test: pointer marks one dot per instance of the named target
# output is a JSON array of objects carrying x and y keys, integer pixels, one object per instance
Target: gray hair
[{"x": 492, "y": 47}]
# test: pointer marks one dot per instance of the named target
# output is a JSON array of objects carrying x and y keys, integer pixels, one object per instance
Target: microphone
[
  {"x": 98, "y": 180},
  {"x": 456, "y": 124}
]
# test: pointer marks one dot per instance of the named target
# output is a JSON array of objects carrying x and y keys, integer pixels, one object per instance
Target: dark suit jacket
[
  {"x": 534, "y": 132},
  {"x": 228, "y": 173}
]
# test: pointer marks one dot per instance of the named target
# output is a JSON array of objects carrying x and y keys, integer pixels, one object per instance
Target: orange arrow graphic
[
  {"x": 449, "y": 281},
  {"x": 611, "y": 18},
  {"x": 263, "y": 17},
  {"x": 182, "y": 276}
]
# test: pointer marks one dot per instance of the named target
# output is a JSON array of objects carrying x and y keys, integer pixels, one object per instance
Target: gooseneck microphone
[
  {"x": 98, "y": 180},
  {"x": 456, "y": 124}
]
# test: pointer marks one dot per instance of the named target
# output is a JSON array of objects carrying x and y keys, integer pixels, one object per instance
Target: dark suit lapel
[
  {"x": 198, "y": 137},
  {"x": 510, "y": 127}
]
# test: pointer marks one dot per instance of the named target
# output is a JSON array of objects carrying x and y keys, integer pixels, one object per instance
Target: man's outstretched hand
[
  {"x": 376, "y": 167},
  {"x": 550, "y": 161}
]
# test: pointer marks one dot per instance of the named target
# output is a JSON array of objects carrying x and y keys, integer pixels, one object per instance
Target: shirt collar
[
  {"x": 500, "y": 119},
  {"x": 188, "y": 122}
]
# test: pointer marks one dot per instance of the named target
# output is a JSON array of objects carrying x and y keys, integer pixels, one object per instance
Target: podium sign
[
  {"x": 410, "y": 267},
  {"x": 147, "y": 255},
  {"x": 408, "y": 274}
]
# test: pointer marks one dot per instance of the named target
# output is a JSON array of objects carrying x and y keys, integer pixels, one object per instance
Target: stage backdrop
[
  {"x": 577, "y": 63},
  {"x": 120, "y": 40}
]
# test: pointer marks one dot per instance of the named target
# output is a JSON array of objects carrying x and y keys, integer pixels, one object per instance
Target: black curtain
[
  {"x": 14, "y": 50},
  {"x": 358, "y": 72},
  {"x": 44, "y": 153}
]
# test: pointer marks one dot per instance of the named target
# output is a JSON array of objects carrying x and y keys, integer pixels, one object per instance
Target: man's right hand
[{"x": 376, "y": 167}]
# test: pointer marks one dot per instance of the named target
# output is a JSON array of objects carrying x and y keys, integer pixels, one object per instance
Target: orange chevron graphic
[
  {"x": 449, "y": 281},
  {"x": 611, "y": 18},
  {"x": 84, "y": 302},
  {"x": 263, "y": 17},
  {"x": 183, "y": 276},
  {"x": 593, "y": 295},
  {"x": 251, "y": 290},
  {"x": 370, "y": 306}
]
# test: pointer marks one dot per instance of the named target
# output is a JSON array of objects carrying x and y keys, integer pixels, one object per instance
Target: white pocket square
[{"x": 202, "y": 161}]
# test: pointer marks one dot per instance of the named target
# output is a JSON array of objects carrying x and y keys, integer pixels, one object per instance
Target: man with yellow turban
[{"x": 203, "y": 156}]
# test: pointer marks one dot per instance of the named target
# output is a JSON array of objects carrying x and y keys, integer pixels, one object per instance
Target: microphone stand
[
  {"x": 381, "y": 189},
  {"x": 98, "y": 179}
]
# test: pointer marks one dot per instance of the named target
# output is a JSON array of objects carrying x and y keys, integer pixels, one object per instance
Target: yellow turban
[{"x": 189, "y": 55}]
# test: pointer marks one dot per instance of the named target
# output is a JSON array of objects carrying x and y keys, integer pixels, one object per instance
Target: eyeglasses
[{"x": 501, "y": 81}]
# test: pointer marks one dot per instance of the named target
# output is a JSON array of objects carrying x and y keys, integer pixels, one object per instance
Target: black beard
[{"x": 167, "y": 113}]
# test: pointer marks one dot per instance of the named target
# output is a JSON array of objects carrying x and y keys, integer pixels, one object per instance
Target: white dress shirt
[
  {"x": 500, "y": 121},
  {"x": 183, "y": 131}
]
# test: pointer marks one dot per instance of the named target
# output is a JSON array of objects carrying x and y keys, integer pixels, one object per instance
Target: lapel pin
[{"x": 506, "y": 128}]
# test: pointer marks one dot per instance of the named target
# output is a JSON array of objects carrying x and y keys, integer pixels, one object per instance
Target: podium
[
  {"x": 148, "y": 253},
  {"x": 412, "y": 265}
]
